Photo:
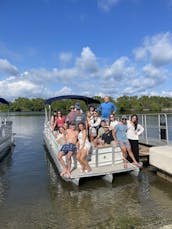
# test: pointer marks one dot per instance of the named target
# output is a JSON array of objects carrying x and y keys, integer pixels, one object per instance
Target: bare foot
[
  {"x": 82, "y": 169},
  {"x": 125, "y": 165},
  {"x": 63, "y": 173},
  {"x": 68, "y": 174},
  {"x": 139, "y": 165},
  {"x": 88, "y": 170}
]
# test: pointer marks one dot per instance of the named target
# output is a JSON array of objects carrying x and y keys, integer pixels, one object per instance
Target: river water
[{"x": 32, "y": 195}]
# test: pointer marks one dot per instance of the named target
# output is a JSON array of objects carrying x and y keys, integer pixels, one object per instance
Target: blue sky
[{"x": 87, "y": 47}]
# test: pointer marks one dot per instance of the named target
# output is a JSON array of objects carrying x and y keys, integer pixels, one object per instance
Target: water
[{"x": 32, "y": 195}]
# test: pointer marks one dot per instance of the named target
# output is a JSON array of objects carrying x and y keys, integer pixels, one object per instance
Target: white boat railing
[{"x": 157, "y": 128}]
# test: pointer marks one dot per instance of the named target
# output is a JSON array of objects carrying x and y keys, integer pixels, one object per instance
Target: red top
[{"x": 60, "y": 121}]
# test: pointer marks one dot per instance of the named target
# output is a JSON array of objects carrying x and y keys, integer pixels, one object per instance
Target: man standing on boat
[
  {"x": 71, "y": 115},
  {"x": 69, "y": 148},
  {"x": 80, "y": 117},
  {"x": 107, "y": 108}
]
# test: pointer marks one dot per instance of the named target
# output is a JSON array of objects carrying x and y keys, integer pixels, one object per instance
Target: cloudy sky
[{"x": 85, "y": 47}]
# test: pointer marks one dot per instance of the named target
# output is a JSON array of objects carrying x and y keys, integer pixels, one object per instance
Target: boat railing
[
  {"x": 97, "y": 156},
  {"x": 157, "y": 128},
  {"x": 5, "y": 128},
  {"x": 105, "y": 155}
]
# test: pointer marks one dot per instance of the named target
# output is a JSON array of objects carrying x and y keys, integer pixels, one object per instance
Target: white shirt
[
  {"x": 113, "y": 124},
  {"x": 95, "y": 123},
  {"x": 132, "y": 133}
]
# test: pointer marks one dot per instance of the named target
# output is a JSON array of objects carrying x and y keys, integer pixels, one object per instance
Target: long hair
[{"x": 136, "y": 122}]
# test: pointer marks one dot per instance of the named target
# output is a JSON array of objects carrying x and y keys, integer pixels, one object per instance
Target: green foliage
[
  {"x": 125, "y": 104},
  {"x": 25, "y": 104}
]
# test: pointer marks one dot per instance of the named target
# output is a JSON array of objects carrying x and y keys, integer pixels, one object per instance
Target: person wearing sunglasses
[
  {"x": 59, "y": 120},
  {"x": 94, "y": 125},
  {"x": 71, "y": 115},
  {"x": 120, "y": 138}
]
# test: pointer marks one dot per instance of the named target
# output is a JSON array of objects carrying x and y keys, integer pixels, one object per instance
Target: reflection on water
[
  {"x": 128, "y": 202},
  {"x": 32, "y": 195}
]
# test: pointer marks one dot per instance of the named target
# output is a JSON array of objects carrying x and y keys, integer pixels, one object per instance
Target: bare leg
[
  {"x": 59, "y": 157},
  {"x": 133, "y": 158},
  {"x": 124, "y": 154},
  {"x": 69, "y": 155},
  {"x": 78, "y": 157},
  {"x": 84, "y": 161},
  {"x": 131, "y": 155}
]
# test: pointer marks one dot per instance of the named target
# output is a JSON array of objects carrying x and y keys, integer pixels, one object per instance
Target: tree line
[{"x": 125, "y": 104}]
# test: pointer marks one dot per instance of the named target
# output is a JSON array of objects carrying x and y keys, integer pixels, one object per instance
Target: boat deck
[
  {"x": 104, "y": 161},
  {"x": 102, "y": 170}
]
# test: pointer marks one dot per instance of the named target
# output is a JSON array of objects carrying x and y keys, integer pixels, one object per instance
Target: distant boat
[
  {"x": 6, "y": 133},
  {"x": 105, "y": 161}
]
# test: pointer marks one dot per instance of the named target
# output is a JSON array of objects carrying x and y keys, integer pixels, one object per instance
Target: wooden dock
[{"x": 161, "y": 158}]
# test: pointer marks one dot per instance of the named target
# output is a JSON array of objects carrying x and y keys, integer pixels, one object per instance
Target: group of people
[{"x": 78, "y": 132}]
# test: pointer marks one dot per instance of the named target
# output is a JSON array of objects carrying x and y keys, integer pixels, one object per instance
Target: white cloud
[
  {"x": 89, "y": 77},
  {"x": 154, "y": 72},
  {"x": 118, "y": 69},
  {"x": 87, "y": 62},
  {"x": 107, "y": 5},
  {"x": 13, "y": 88},
  {"x": 6, "y": 67},
  {"x": 65, "y": 57},
  {"x": 64, "y": 91},
  {"x": 156, "y": 49}
]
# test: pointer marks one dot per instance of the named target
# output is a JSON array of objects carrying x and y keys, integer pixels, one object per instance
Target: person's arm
[
  {"x": 67, "y": 118},
  {"x": 99, "y": 108},
  {"x": 84, "y": 138},
  {"x": 114, "y": 136},
  {"x": 140, "y": 129},
  {"x": 54, "y": 125},
  {"x": 114, "y": 107}
]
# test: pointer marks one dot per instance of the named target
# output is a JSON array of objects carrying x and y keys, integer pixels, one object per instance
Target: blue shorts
[
  {"x": 124, "y": 144},
  {"x": 68, "y": 147}
]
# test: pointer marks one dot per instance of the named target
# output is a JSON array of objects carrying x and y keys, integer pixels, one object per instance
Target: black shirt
[{"x": 107, "y": 137}]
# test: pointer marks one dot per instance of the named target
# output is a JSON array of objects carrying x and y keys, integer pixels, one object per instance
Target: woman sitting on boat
[
  {"x": 59, "y": 120},
  {"x": 112, "y": 121},
  {"x": 94, "y": 124},
  {"x": 61, "y": 135},
  {"x": 83, "y": 148},
  {"x": 52, "y": 121},
  {"x": 101, "y": 131}
]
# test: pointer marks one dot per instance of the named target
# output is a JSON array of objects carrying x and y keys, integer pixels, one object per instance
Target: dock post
[{"x": 108, "y": 177}]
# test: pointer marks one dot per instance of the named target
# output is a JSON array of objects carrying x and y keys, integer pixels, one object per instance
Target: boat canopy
[
  {"x": 4, "y": 101},
  {"x": 87, "y": 100}
]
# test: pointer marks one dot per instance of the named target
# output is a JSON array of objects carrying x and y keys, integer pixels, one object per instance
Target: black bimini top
[
  {"x": 87, "y": 100},
  {"x": 4, "y": 101}
]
